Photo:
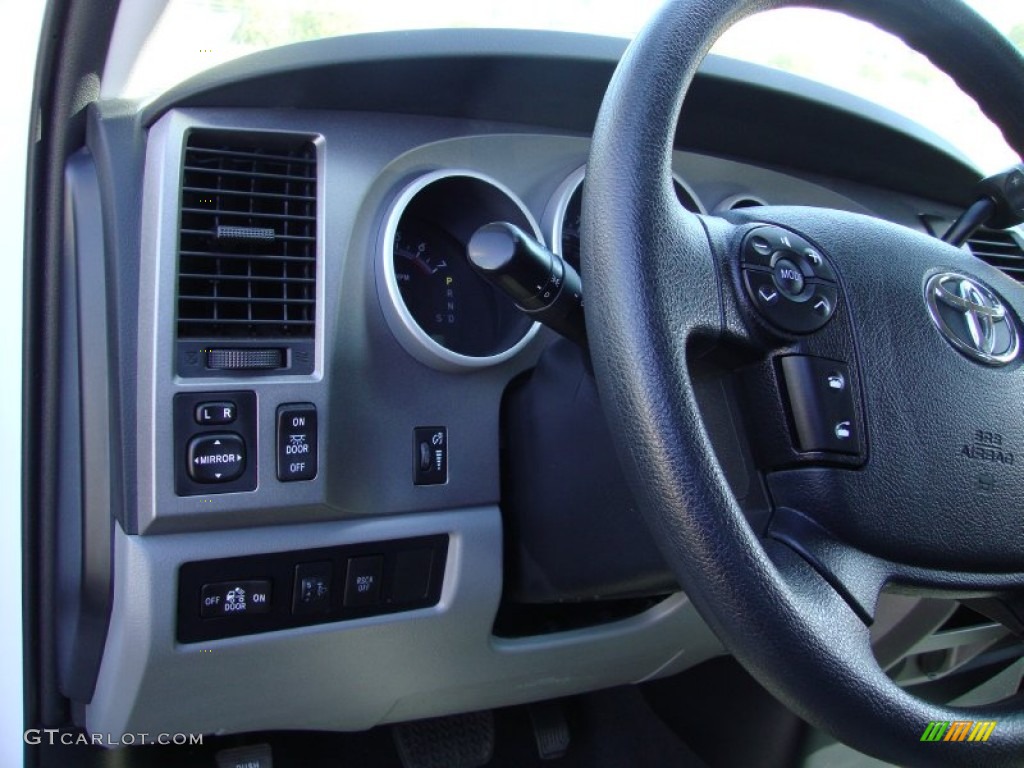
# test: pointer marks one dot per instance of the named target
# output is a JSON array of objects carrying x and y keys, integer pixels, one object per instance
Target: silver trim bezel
[
  {"x": 403, "y": 325},
  {"x": 554, "y": 214},
  {"x": 729, "y": 203}
]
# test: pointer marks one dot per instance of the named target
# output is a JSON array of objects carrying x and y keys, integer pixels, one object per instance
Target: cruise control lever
[
  {"x": 541, "y": 283},
  {"x": 999, "y": 204}
]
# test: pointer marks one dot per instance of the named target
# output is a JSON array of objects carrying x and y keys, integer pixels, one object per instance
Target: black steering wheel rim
[{"x": 803, "y": 636}]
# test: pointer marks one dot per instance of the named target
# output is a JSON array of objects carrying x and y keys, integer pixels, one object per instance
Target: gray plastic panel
[
  {"x": 558, "y": 79},
  {"x": 370, "y": 395},
  {"x": 84, "y": 520},
  {"x": 369, "y": 391},
  {"x": 156, "y": 382},
  {"x": 357, "y": 674}
]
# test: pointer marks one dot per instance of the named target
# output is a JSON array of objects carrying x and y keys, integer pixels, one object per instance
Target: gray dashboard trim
[
  {"x": 369, "y": 391},
  {"x": 467, "y": 44},
  {"x": 354, "y": 675},
  {"x": 159, "y": 507},
  {"x": 117, "y": 143},
  {"x": 86, "y": 460},
  {"x": 558, "y": 79},
  {"x": 366, "y": 385}
]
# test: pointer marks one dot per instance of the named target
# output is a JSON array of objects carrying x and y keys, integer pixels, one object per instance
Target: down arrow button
[{"x": 216, "y": 458}]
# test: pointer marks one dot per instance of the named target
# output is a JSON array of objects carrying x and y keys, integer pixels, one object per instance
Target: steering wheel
[{"x": 883, "y": 380}]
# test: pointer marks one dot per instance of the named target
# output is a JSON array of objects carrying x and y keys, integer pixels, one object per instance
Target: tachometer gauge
[
  {"x": 568, "y": 211},
  {"x": 439, "y": 308},
  {"x": 445, "y": 297}
]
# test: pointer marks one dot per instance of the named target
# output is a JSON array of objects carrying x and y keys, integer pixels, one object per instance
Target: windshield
[{"x": 160, "y": 44}]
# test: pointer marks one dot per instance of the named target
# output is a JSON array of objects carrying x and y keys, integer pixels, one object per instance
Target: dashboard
[{"x": 312, "y": 384}]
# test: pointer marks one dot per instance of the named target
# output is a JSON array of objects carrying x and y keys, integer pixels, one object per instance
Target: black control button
[
  {"x": 823, "y": 303},
  {"x": 816, "y": 265},
  {"x": 835, "y": 380},
  {"x": 761, "y": 246},
  {"x": 843, "y": 431},
  {"x": 216, "y": 413},
  {"x": 235, "y": 598},
  {"x": 201, "y": 466},
  {"x": 411, "y": 578},
  {"x": 765, "y": 244},
  {"x": 215, "y": 458},
  {"x": 362, "y": 581},
  {"x": 762, "y": 289},
  {"x": 822, "y": 404},
  {"x": 430, "y": 455},
  {"x": 805, "y": 312},
  {"x": 788, "y": 278},
  {"x": 312, "y": 593},
  {"x": 296, "y": 442},
  {"x": 802, "y": 294}
]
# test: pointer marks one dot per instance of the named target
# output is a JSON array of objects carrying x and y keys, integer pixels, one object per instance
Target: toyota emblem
[{"x": 972, "y": 318}]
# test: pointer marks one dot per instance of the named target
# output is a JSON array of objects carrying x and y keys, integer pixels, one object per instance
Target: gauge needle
[{"x": 424, "y": 266}]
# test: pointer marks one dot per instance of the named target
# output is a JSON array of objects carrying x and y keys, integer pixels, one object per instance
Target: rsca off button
[
  {"x": 216, "y": 458},
  {"x": 296, "y": 442}
]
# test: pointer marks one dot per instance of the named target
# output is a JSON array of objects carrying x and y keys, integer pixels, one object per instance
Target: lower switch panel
[{"x": 282, "y": 590}]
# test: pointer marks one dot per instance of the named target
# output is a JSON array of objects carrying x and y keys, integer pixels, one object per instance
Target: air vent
[
  {"x": 999, "y": 248},
  {"x": 247, "y": 245}
]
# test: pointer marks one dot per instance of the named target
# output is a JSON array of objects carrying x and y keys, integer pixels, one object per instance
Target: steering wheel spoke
[{"x": 858, "y": 577}]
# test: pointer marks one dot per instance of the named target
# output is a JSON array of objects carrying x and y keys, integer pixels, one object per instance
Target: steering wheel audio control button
[
  {"x": 788, "y": 278},
  {"x": 801, "y": 313},
  {"x": 761, "y": 246},
  {"x": 790, "y": 282},
  {"x": 817, "y": 266},
  {"x": 821, "y": 403},
  {"x": 768, "y": 295},
  {"x": 765, "y": 245}
]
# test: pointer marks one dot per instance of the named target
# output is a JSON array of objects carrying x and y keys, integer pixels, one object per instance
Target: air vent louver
[
  {"x": 247, "y": 244},
  {"x": 1000, "y": 249}
]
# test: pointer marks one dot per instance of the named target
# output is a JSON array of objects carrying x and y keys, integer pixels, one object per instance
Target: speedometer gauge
[
  {"x": 439, "y": 308},
  {"x": 568, "y": 203}
]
